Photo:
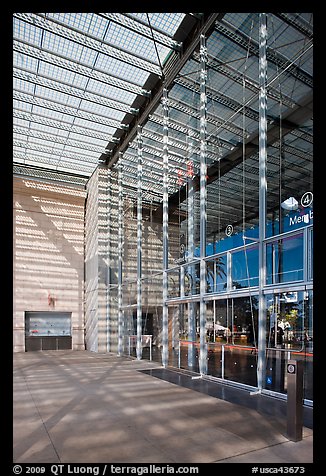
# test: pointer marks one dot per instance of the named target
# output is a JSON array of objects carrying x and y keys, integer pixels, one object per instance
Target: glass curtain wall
[
  {"x": 232, "y": 228},
  {"x": 231, "y": 282},
  {"x": 232, "y": 206}
]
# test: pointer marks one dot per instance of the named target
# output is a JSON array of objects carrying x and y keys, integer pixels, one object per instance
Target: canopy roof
[{"x": 83, "y": 82}]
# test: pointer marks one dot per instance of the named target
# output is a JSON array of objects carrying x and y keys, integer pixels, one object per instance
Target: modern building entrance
[
  {"x": 47, "y": 330},
  {"x": 232, "y": 338}
]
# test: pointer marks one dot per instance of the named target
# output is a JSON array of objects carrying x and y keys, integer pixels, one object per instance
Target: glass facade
[{"x": 239, "y": 217}]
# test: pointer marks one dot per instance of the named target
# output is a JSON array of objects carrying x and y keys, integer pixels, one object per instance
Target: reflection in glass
[
  {"x": 173, "y": 284},
  {"x": 285, "y": 260},
  {"x": 285, "y": 313},
  {"x": 192, "y": 279},
  {"x": 232, "y": 335},
  {"x": 310, "y": 255},
  {"x": 216, "y": 274},
  {"x": 290, "y": 314},
  {"x": 245, "y": 268}
]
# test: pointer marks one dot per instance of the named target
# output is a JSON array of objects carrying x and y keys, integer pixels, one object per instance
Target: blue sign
[{"x": 269, "y": 380}]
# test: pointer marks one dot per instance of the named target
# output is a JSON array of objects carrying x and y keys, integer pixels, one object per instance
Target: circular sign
[
  {"x": 229, "y": 230},
  {"x": 291, "y": 369},
  {"x": 306, "y": 199}
]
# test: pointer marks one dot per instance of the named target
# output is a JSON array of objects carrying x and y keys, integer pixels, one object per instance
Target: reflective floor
[
  {"x": 239, "y": 364},
  {"x": 263, "y": 404}
]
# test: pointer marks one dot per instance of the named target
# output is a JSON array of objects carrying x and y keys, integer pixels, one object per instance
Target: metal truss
[
  {"x": 56, "y": 106},
  {"x": 211, "y": 119},
  {"x": 52, "y": 164},
  {"x": 101, "y": 46},
  {"x": 57, "y": 139},
  {"x": 180, "y": 127},
  {"x": 238, "y": 77},
  {"x": 219, "y": 98},
  {"x": 72, "y": 91},
  {"x": 272, "y": 56},
  {"x": 55, "y": 152},
  {"x": 61, "y": 125},
  {"x": 48, "y": 175},
  {"x": 71, "y": 65}
]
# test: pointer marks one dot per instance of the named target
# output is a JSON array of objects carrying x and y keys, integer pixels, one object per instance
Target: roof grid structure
[
  {"x": 80, "y": 78},
  {"x": 79, "y": 74}
]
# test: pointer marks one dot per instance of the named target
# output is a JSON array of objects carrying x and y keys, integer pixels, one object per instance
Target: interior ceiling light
[{"x": 290, "y": 204}]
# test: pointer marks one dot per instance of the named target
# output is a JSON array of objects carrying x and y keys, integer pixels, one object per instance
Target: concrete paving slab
[{"x": 82, "y": 407}]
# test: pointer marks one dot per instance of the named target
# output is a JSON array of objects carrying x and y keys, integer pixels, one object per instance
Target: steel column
[
  {"x": 165, "y": 333},
  {"x": 139, "y": 242},
  {"x": 120, "y": 255},
  {"x": 203, "y": 203},
  {"x": 191, "y": 251},
  {"x": 108, "y": 258},
  {"x": 261, "y": 364}
]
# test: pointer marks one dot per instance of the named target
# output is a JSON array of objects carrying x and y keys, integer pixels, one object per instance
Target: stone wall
[{"x": 48, "y": 254}]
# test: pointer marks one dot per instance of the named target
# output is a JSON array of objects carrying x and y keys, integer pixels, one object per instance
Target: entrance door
[
  {"x": 289, "y": 336},
  {"x": 174, "y": 315},
  {"x": 47, "y": 330},
  {"x": 183, "y": 336}
]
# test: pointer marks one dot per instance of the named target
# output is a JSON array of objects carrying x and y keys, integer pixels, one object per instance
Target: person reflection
[
  {"x": 277, "y": 341},
  {"x": 251, "y": 337}
]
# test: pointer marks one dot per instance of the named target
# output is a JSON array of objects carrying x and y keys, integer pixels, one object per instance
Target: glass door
[
  {"x": 289, "y": 335},
  {"x": 232, "y": 335}
]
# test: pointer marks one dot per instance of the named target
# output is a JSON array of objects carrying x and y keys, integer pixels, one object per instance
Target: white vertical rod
[
  {"x": 108, "y": 257},
  {"x": 120, "y": 256},
  {"x": 182, "y": 281},
  {"x": 203, "y": 196},
  {"x": 191, "y": 252},
  {"x": 165, "y": 323},
  {"x": 261, "y": 363},
  {"x": 139, "y": 242}
]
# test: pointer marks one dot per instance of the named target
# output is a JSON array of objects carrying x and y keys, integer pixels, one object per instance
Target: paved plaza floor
[{"x": 83, "y": 407}]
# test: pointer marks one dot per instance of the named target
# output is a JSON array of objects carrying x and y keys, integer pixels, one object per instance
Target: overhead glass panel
[
  {"x": 167, "y": 22},
  {"x": 131, "y": 41},
  {"x": 80, "y": 62}
]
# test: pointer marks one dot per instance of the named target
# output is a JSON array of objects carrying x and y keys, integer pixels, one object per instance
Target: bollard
[{"x": 294, "y": 399}]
